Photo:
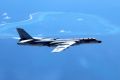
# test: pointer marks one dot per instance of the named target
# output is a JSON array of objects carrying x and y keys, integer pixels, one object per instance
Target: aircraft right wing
[{"x": 63, "y": 46}]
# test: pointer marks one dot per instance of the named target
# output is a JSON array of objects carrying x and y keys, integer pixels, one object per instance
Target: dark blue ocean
[{"x": 60, "y": 19}]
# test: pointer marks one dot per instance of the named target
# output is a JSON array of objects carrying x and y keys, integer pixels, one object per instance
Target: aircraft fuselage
[
  {"x": 59, "y": 44},
  {"x": 56, "y": 42}
]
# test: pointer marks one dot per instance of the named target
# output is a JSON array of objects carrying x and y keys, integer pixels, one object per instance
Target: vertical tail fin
[{"x": 23, "y": 34}]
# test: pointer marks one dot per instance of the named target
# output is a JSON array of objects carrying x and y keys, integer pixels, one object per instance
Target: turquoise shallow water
[{"x": 61, "y": 23}]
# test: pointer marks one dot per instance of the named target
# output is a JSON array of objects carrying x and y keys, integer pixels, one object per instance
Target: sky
[{"x": 60, "y": 18}]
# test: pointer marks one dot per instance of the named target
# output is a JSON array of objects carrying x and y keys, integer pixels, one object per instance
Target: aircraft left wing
[{"x": 63, "y": 46}]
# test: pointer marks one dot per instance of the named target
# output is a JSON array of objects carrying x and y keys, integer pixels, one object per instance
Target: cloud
[
  {"x": 2, "y": 24},
  {"x": 30, "y": 17},
  {"x": 15, "y": 37},
  {"x": 4, "y": 14},
  {"x": 80, "y": 19},
  {"x": 7, "y": 17},
  {"x": 64, "y": 31}
]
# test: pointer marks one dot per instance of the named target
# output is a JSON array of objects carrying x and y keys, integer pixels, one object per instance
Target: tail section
[{"x": 23, "y": 34}]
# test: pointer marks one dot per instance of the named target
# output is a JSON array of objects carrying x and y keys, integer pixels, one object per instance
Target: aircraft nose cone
[{"x": 99, "y": 41}]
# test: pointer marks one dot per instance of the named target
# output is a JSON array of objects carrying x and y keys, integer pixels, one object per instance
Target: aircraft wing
[{"x": 63, "y": 46}]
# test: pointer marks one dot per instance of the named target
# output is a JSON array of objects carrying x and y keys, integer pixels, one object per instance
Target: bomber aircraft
[{"x": 59, "y": 44}]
